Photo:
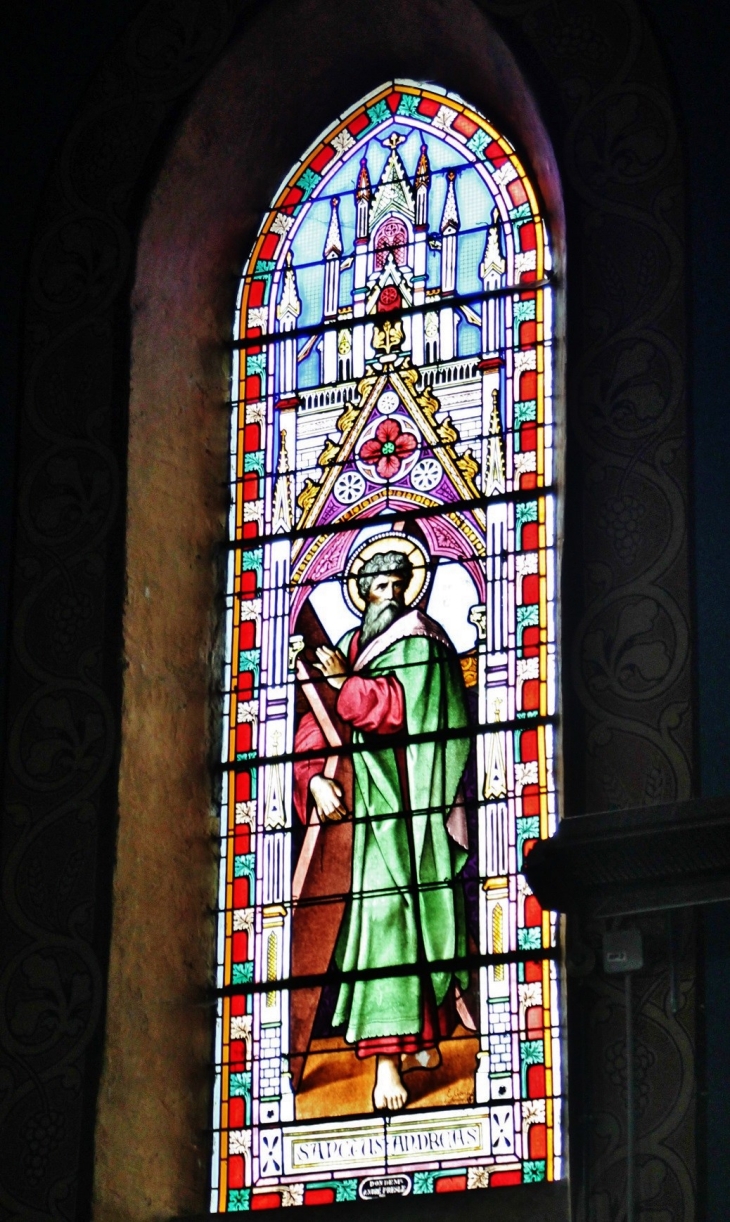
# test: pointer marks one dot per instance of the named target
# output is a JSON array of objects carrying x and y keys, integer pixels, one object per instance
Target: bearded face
[{"x": 385, "y": 603}]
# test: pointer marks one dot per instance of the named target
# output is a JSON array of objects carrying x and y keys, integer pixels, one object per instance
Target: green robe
[{"x": 380, "y": 928}]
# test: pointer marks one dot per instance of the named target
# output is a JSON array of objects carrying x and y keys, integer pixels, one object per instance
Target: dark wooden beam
[{"x": 653, "y": 858}]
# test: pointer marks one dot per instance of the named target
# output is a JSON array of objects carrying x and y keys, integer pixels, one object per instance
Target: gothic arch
[{"x": 602, "y": 87}]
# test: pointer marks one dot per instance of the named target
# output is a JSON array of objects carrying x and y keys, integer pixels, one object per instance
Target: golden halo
[{"x": 390, "y": 542}]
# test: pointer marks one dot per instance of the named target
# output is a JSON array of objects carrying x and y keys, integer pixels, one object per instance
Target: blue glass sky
[{"x": 474, "y": 201}]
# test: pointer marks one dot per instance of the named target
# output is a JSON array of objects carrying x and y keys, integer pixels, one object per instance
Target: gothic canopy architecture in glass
[{"x": 388, "y": 1017}]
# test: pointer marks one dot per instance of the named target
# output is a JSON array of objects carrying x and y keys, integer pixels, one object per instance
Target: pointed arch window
[{"x": 389, "y": 1016}]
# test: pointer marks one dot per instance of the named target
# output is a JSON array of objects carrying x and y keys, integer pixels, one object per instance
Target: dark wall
[
  {"x": 696, "y": 39},
  {"x": 50, "y": 55}
]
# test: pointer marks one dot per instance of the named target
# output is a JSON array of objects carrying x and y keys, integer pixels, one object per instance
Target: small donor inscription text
[{"x": 385, "y": 1186}]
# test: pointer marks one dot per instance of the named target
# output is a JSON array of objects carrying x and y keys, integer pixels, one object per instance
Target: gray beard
[{"x": 378, "y": 617}]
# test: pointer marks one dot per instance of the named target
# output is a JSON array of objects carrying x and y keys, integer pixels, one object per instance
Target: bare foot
[
  {"x": 389, "y": 1093},
  {"x": 427, "y": 1058}
]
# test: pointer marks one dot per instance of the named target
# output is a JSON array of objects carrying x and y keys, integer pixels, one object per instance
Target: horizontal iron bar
[
  {"x": 465, "y": 505},
  {"x": 319, "y": 680},
  {"x": 321, "y": 979},
  {"x": 390, "y": 741},
  {"x": 341, "y": 897},
  {"x": 275, "y": 337},
  {"x": 433, "y": 239}
]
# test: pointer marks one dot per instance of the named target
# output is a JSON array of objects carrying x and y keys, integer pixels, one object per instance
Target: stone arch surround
[{"x": 602, "y": 93}]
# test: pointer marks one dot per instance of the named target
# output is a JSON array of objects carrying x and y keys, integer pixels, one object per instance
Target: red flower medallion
[{"x": 388, "y": 448}]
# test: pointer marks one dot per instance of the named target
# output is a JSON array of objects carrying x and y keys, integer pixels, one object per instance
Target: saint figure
[{"x": 400, "y": 690}]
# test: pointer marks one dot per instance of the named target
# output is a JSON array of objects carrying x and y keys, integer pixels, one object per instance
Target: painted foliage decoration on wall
[{"x": 389, "y": 1013}]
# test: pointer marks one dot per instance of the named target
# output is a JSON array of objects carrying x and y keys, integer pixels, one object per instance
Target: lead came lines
[{"x": 401, "y": 317}]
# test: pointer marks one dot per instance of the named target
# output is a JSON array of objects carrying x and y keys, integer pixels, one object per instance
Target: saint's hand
[
  {"x": 328, "y": 799},
  {"x": 332, "y": 664}
]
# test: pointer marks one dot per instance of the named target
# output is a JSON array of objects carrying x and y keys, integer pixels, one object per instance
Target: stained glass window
[{"x": 388, "y": 1014}]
